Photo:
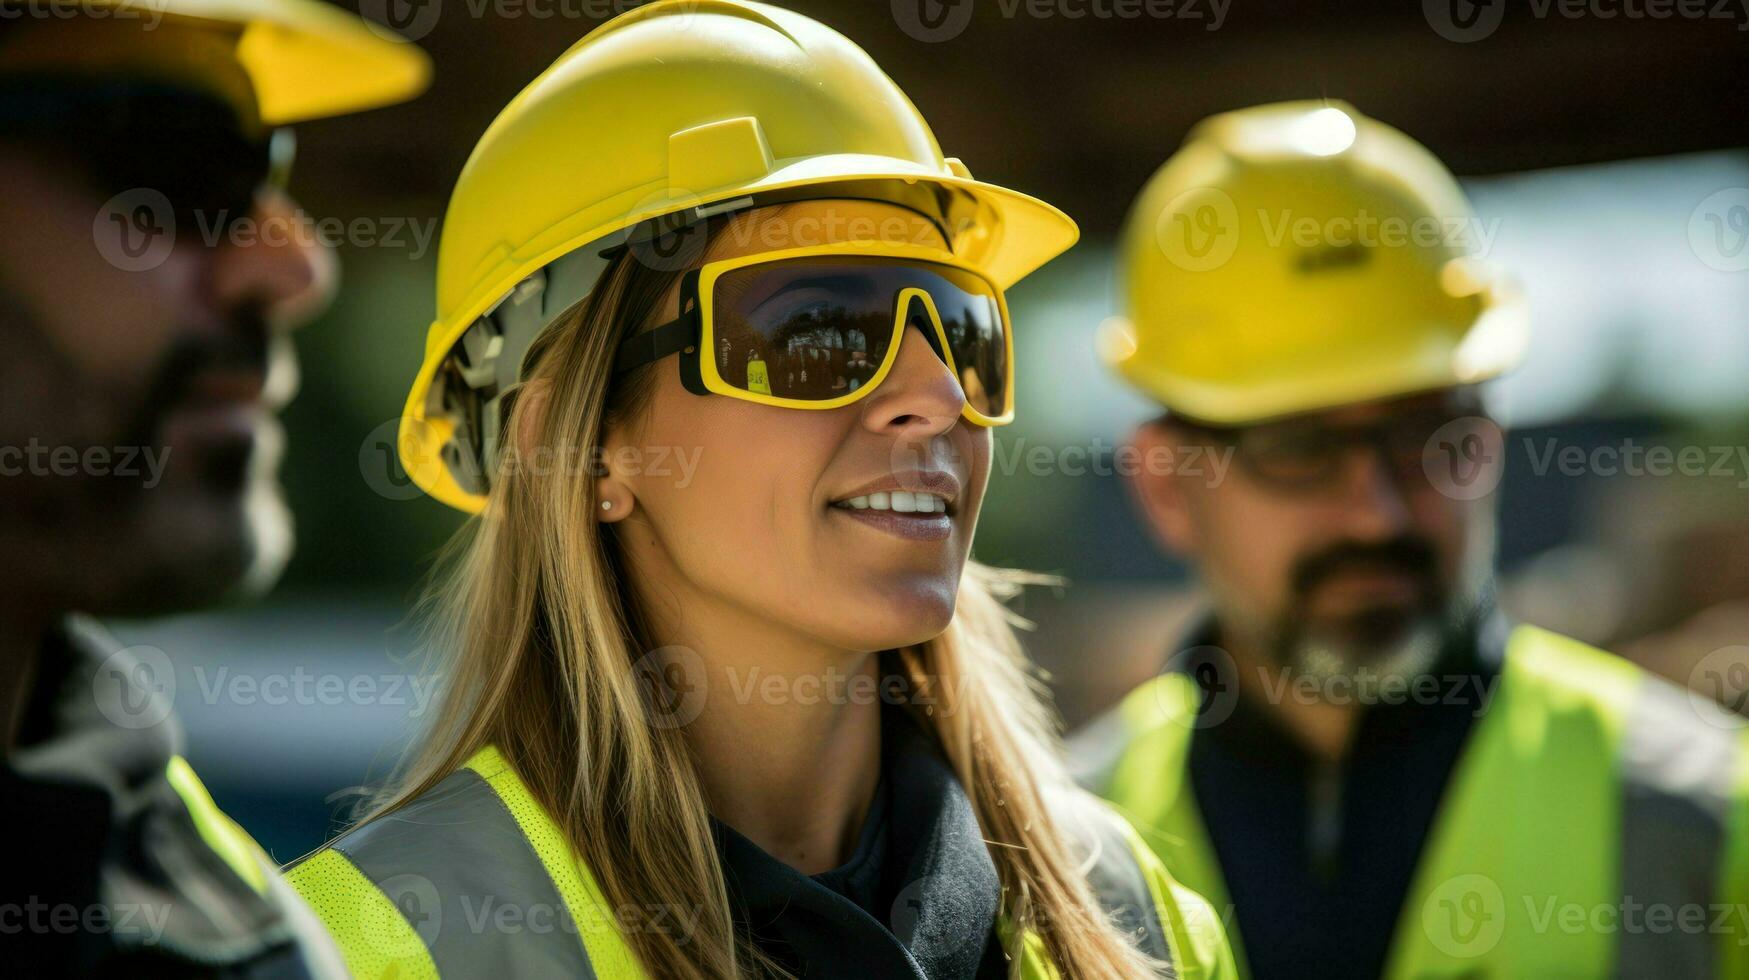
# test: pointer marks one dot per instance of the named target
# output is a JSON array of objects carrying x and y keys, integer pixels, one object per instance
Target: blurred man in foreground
[
  {"x": 1354, "y": 752},
  {"x": 150, "y": 264}
]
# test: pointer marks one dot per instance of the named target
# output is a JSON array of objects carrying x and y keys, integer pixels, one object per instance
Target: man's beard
[
  {"x": 204, "y": 526},
  {"x": 1383, "y": 644}
]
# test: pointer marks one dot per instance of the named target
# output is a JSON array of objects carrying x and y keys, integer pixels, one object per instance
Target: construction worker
[
  {"x": 753, "y": 714},
  {"x": 142, "y": 355},
  {"x": 1353, "y": 753}
]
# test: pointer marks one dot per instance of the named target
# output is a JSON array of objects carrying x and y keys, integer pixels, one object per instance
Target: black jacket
[{"x": 106, "y": 872}]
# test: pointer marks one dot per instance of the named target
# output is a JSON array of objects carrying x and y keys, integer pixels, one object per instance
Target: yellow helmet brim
[{"x": 305, "y": 59}]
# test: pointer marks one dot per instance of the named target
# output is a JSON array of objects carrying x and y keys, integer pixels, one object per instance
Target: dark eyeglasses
[
  {"x": 124, "y": 135},
  {"x": 1311, "y": 454}
]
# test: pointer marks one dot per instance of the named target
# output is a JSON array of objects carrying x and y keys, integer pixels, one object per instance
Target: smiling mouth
[
  {"x": 897, "y": 502},
  {"x": 904, "y": 514}
]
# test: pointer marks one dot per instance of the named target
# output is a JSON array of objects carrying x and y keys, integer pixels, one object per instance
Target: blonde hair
[{"x": 542, "y": 632}]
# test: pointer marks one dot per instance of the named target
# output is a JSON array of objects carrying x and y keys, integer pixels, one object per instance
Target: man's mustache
[
  {"x": 242, "y": 348},
  {"x": 1411, "y": 555}
]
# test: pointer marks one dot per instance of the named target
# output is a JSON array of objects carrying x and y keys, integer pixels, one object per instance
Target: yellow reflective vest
[
  {"x": 1596, "y": 824},
  {"x": 404, "y": 895}
]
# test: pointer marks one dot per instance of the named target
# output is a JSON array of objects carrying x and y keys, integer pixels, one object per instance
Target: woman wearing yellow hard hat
[{"x": 720, "y": 338}]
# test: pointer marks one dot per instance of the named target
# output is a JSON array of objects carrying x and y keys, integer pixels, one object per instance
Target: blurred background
[{"x": 1604, "y": 151}]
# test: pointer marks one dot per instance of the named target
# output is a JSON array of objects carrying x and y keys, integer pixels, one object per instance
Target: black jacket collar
[{"x": 918, "y": 900}]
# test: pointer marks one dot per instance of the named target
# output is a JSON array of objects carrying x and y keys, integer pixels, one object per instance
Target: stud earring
[{"x": 607, "y": 505}]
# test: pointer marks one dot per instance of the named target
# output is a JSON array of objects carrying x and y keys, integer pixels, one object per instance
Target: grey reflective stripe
[
  {"x": 1096, "y": 751},
  {"x": 1677, "y": 764},
  {"x": 1121, "y": 887},
  {"x": 457, "y": 865}
]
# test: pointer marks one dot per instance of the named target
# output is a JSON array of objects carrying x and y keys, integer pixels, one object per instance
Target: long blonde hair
[{"x": 541, "y": 632}]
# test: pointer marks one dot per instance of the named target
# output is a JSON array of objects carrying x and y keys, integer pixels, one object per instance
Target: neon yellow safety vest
[
  {"x": 230, "y": 842},
  {"x": 474, "y": 880},
  {"x": 1596, "y": 825}
]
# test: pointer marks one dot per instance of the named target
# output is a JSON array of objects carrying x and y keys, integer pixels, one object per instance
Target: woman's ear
[
  {"x": 613, "y": 495},
  {"x": 615, "y": 499},
  {"x": 530, "y": 411}
]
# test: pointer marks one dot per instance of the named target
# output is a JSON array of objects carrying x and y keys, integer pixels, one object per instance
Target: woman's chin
[{"x": 905, "y": 618}]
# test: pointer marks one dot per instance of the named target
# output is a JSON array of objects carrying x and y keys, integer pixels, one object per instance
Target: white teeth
[{"x": 897, "y": 501}]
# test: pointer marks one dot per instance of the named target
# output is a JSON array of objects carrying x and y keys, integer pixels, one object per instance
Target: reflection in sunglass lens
[
  {"x": 810, "y": 330},
  {"x": 817, "y": 329}
]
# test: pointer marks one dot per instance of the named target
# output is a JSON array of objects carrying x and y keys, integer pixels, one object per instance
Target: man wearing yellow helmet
[
  {"x": 1353, "y": 752},
  {"x": 142, "y": 354}
]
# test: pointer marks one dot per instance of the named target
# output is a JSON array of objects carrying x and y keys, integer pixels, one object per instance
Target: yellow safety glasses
[{"x": 820, "y": 327}]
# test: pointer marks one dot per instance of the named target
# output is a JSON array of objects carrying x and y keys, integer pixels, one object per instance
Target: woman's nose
[{"x": 920, "y": 397}]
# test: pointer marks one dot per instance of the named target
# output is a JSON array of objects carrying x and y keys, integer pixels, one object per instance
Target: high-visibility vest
[
  {"x": 219, "y": 832},
  {"x": 474, "y": 879},
  {"x": 1595, "y": 825}
]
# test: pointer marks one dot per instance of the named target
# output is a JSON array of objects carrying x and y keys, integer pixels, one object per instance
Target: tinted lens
[
  {"x": 814, "y": 329},
  {"x": 1304, "y": 454},
  {"x": 124, "y": 136},
  {"x": 976, "y": 336},
  {"x": 1293, "y": 455}
]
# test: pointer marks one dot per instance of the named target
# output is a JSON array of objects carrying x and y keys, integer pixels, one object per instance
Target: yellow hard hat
[
  {"x": 304, "y": 59},
  {"x": 1300, "y": 256},
  {"x": 679, "y": 108}
]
